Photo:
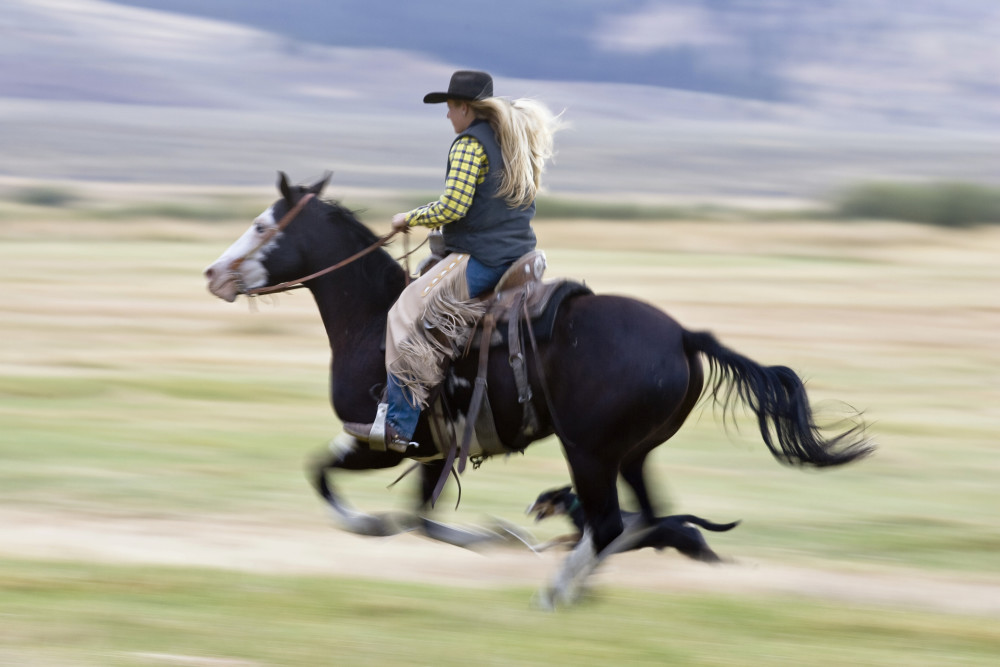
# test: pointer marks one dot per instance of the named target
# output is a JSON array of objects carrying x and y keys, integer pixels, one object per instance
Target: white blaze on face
[{"x": 221, "y": 280}]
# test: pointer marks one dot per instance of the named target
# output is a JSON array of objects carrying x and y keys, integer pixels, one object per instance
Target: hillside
[
  {"x": 924, "y": 61},
  {"x": 104, "y": 91}
]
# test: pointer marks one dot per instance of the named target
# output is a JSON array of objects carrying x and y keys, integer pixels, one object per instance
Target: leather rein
[{"x": 293, "y": 284}]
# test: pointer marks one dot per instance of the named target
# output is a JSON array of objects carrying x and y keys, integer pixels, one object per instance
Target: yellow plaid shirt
[{"x": 468, "y": 169}]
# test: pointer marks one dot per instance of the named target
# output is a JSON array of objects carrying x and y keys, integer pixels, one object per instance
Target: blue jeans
[
  {"x": 481, "y": 278},
  {"x": 402, "y": 414}
]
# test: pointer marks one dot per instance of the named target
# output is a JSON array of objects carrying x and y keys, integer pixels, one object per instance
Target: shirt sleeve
[{"x": 468, "y": 168}]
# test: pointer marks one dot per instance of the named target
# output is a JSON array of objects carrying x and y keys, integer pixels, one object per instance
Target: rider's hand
[{"x": 399, "y": 223}]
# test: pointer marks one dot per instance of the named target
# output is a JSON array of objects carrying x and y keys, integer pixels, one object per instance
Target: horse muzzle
[{"x": 224, "y": 284}]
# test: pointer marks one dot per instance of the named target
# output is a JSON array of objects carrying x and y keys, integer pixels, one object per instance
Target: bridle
[{"x": 293, "y": 284}]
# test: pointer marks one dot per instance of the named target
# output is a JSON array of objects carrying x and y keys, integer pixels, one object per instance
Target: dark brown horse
[{"x": 620, "y": 375}]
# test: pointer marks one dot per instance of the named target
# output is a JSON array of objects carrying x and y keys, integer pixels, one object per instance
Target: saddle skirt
[{"x": 541, "y": 301}]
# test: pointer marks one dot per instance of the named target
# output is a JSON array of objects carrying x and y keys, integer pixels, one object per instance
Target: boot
[{"x": 379, "y": 435}]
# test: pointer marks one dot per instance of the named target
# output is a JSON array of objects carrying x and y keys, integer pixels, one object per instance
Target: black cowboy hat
[{"x": 464, "y": 85}]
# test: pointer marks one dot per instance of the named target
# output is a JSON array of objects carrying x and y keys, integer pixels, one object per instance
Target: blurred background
[
  {"x": 716, "y": 98},
  {"x": 817, "y": 182}
]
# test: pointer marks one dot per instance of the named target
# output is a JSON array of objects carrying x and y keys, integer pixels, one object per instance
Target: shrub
[
  {"x": 548, "y": 207},
  {"x": 944, "y": 204},
  {"x": 44, "y": 196}
]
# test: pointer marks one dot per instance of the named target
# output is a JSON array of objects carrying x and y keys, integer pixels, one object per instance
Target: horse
[{"x": 616, "y": 378}]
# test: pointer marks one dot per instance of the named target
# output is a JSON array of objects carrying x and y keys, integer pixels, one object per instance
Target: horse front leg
[
  {"x": 466, "y": 537},
  {"x": 344, "y": 453}
]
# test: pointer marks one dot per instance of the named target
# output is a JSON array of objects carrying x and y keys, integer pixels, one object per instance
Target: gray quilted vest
[{"x": 491, "y": 231}]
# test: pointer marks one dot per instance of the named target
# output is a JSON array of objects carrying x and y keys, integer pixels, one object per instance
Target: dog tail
[{"x": 706, "y": 524}]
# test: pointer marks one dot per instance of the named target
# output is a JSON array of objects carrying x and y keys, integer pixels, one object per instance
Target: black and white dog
[{"x": 677, "y": 531}]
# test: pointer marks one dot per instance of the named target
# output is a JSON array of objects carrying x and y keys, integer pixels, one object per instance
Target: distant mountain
[
  {"x": 740, "y": 98},
  {"x": 912, "y": 60},
  {"x": 578, "y": 40},
  {"x": 100, "y": 51}
]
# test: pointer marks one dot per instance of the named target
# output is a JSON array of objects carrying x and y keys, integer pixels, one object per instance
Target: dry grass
[{"x": 142, "y": 421}]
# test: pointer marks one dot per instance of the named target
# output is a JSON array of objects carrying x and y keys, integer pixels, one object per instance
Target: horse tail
[{"x": 777, "y": 397}]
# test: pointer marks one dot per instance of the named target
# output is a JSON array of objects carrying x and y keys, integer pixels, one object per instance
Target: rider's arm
[{"x": 468, "y": 168}]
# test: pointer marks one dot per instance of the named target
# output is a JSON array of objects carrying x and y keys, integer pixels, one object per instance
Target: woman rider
[{"x": 494, "y": 172}]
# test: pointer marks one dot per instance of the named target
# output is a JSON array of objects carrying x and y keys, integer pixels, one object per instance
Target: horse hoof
[
  {"x": 550, "y": 599},
  {"x": 544, "y": 600},
  {"x": 508, "y": 533},
  {"x": 458, "y": 537},
  {"x": 368, "y": 525}
]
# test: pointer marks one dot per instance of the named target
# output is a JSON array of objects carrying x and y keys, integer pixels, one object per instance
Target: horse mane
[
  {"x": 380, "y": 261},
  {"x": 343, "y": 214}
]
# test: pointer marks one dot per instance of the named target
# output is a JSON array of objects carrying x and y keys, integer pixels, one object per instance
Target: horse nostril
[{"x": 209, "y": 273}]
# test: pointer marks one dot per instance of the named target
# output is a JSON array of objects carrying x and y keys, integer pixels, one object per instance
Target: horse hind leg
[
  {"x": 633, "y": 468},
  {"x": 594, "y": 480},
  {"x": 633, "y": 465},
  {"x": 569, "y": 582},
  {"x": 633, "y": 472}
]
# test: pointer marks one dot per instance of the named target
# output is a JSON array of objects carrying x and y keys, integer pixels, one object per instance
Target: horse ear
[
  {"x": 283, "y": 187},
  {"x": 318, "y": 186}
]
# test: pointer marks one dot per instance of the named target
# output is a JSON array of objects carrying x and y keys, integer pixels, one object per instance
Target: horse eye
[{"x": 259, "y": 228}]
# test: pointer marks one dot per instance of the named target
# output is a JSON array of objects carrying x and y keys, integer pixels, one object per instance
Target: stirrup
[{"x": 378, "y": 435}]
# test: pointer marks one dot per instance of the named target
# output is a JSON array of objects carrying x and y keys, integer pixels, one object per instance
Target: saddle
[
  {"x": 520, "y": 301},
  {"x": 522, "y": 292},
  {"x": 523, "y": 280}
]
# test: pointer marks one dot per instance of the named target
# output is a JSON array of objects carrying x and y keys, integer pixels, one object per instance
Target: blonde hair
[{"x": 525, "y": 130}]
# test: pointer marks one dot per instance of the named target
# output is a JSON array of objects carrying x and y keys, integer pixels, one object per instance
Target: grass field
[{"x": 153, "y": 511}]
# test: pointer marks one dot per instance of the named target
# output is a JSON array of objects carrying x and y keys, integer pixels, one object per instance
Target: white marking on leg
[
  {"x": 579, "y": 565},
  {"x": 343, "y": 445}
]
